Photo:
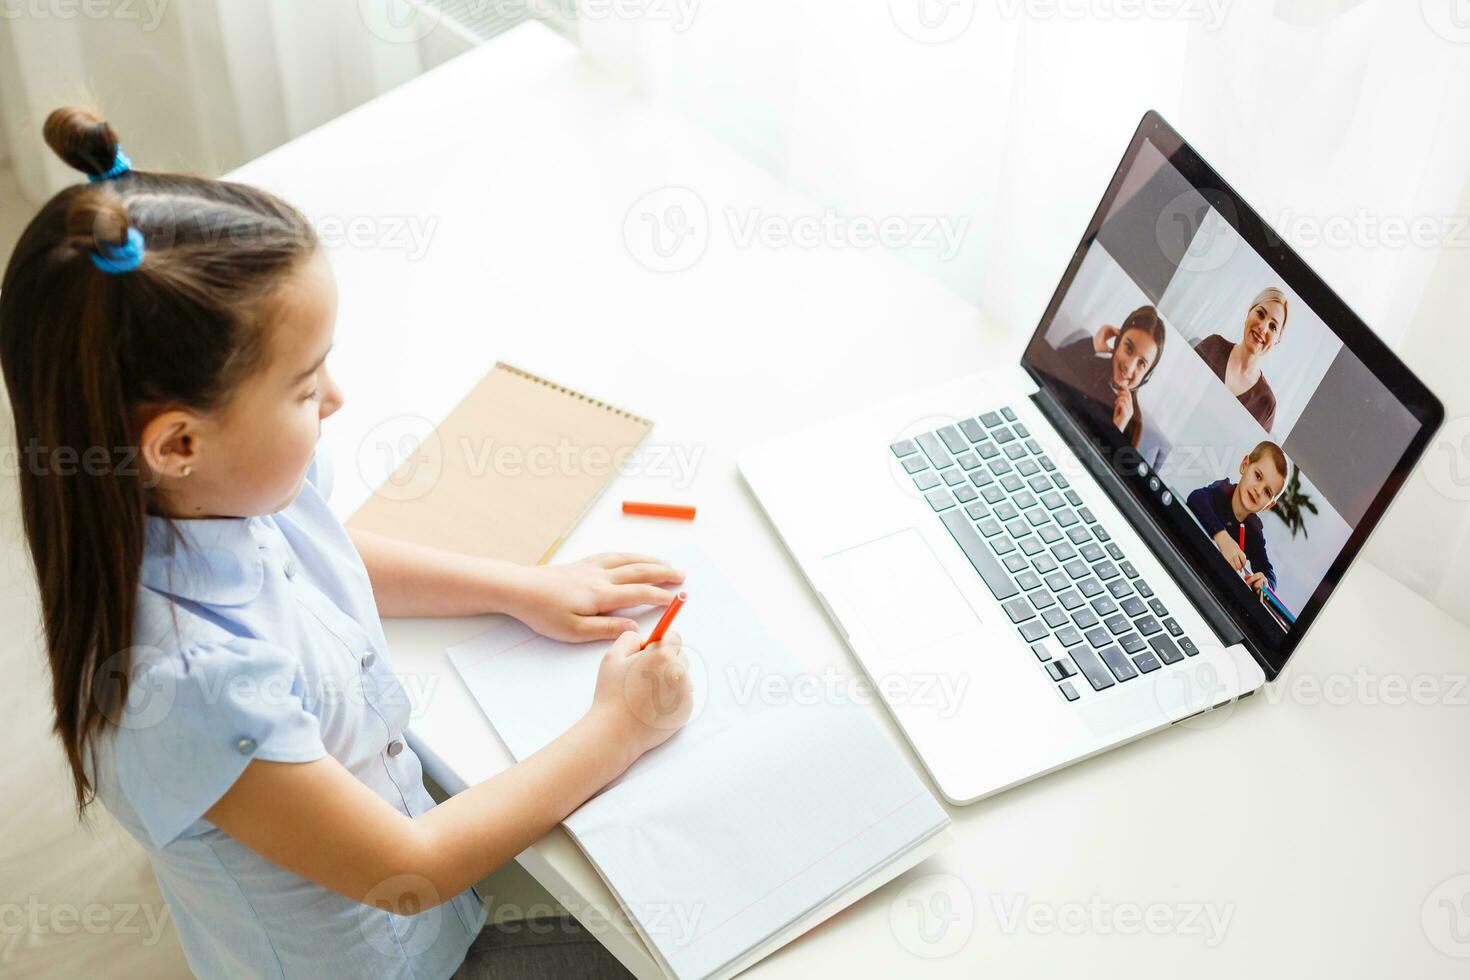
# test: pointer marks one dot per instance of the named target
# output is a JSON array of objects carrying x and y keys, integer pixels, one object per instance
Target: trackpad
[{"x": 900, "y": 593}]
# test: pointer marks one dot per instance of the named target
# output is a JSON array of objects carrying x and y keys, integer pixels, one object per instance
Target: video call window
[{"x": 1229, "y": 387}]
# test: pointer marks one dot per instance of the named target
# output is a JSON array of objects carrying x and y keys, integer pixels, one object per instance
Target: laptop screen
[{"x": 1258, "y": 420}]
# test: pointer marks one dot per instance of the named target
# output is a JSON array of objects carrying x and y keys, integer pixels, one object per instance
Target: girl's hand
[
  {"x": 1103, "y": 339},
  {"x": 1230, "y": 550},
  {"x": 1122, "y": 409},
  {"x": 1256, "y": 580},
  {"x": 642, "y": 696},
  {"x": 568, "y": 602}
]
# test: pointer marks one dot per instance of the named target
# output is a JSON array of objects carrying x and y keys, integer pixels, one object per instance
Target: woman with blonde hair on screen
[{"x": 1239, "y": 365}]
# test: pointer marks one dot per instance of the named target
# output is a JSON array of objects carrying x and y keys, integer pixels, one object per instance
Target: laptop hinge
[{"x": 1143, "y": 523}]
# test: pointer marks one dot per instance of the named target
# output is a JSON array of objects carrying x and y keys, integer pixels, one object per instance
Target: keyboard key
[
  {"x": 1146, "y": 662},
  {"x": 1187, "y": 645},
  {"x": 990, "y": 420},
  {"x": 999, "y": 466},
  {"x": 1037, "y": 517},
  {"x": 1070, "y": 599},
  {"x": 1126, "y": 567},
  {"x": 1157, "y": 605},
  {"x": 1060, "y": 481},
  {"x": 1068, "y": 636},
  {"x": 1060, "y": 670},
  {"x": 1033, "y": 447},
  {"x": 1015, "y": 451},
  {"x": 1143, "y": 588},
  {"x": 1015, "y": 563},
  {"x": 964, "y": 493},
  {"x": 1042, "y": 653},
  {"x": 940, "y": 499},
  {"x": 1042, "y": 599},
  {"x": 1033, "y": 630},
  {"x": 952, "y": 476},
  {"x": 1003, "y": 435},
  {"x": 1079, "y": 535},
  {"x": 1106, "y": 570},
  {"x": 994, "y": 576},
  {"x": 1097, "y": 636},
  {"x": 904, "y": 447},
  {"x": 1011, "y": 482},
  {"x": 1104, "y": 606},
  {"x": 977, "y": 511},
  {"x": 1047, "y": 464},
  {"x": 1028, "y": 580},
  {"x": 1173, "y": 627},
  {"x": 1076, "y": 568},
  {"x": 1068, "y": 691},
  {"x": 1091, "y": 551},
  {"x": 1115, "y": 553},
  {"x": 1006, "y": 511},
  {"x": 1148, "y": 626},
  {"x": 989, "y": 527},
  {"x": 1016, "y": 528},
  {"x": 1120, "y": 665},
  {"x": 1020, "y": 429},
  {"x": 1039, "y": 484},
  {"x": 1044, "y": 563},
  {"x": 1117, "y": 625},
  {"x": 981, "y": 477},
  {"x": 1002, "y": 545},
  {"x": 927, "y": 480},
  {"x": 1010, "y": 416},
  {"x": 1119, "y": 587},
  {"x": 993, "y": 494},
  {"x": 1030, "y": 545},
  {"x": 1092, "y": 668},
  {"x": 987, "y": 450},
  {"x": 967, "y": 461},
  {"x": 1066, "y": 518},
  {"x": 1051, "y": 499},
  {"x": 1074, "y": 498},
  {"x": 1019, "y": 610},
  {"x": 1055, "y": 618},
  {"x": 1084, "y": 618},
  {"x": 1087, "y": 515},
  {"x": 1089, "y": 587},
  {"x": 937, "y": 454},
  {"x": 1165, "y": 648},
  {"x": 953, "y": 441},
  {"x": 1064, "y": 551},
  {"x": 1133, "y": 606},
  {"x": 1029, "y": 468},
  {"x": 914, "y": 464},
  {"x": 1050, "y": 533},
  {"x": 1133, "y": 643},
  {"x": 1101, "y": 533},
  {"x": 1057, "y": 582},
  {"x": 972, "y": 430},
  {"x": 1025, "y": 500}
]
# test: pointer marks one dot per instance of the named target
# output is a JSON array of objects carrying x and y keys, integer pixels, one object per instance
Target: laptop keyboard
[{"x": 1076, "y": 599}]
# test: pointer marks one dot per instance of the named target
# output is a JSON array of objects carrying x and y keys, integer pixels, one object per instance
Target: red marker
[
  {"x": 1242, "y": 537},
  {"x": 665, "y": 621},
  {"x": 678, "y": 512}
]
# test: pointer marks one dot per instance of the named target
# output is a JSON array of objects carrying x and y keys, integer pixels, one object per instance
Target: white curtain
[
  {"x": 199, "y": 85},
  {"x": 1343, "y": 121}
]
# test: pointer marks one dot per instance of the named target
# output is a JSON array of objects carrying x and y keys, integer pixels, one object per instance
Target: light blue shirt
[{"x": 258, "y": 638}]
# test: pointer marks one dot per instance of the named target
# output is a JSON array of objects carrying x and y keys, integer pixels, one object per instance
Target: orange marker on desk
[
  {"x": 676, "y": 511},
  {"x": 666, "y": 620}
]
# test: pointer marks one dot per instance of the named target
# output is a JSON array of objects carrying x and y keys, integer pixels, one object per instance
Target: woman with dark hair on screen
[
  {"x": 1239, "y": 365},
  {"x": 1110, "y": 366}
]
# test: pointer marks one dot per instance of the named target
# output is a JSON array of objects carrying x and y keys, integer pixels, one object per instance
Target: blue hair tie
[
  {"x": 120, "y": 165},
  {"x": 117, "y": 259}
]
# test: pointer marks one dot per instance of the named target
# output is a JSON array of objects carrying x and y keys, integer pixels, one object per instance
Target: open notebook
[{"x": 771, "y": 810}]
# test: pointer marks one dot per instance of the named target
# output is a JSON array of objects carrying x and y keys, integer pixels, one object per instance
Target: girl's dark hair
[
  {"x": 1147, "y": 319},
  {"x": 82, "y": 351}
]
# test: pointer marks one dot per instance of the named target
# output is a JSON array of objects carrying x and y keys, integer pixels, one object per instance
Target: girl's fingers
[
  {"x": 625, "y": 596},
  {"x": 615, "y": 559},
  {"x": 650, "y": 571}
]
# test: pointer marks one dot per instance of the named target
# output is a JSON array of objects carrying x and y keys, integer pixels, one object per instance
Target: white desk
[{"x": 1319, "y": 824}]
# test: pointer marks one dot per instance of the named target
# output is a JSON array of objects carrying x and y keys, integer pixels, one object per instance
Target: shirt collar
[{"x": 216, "y": 561}]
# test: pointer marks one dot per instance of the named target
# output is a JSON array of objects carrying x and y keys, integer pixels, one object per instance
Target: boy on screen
[{"x": 1224, "y": 509}]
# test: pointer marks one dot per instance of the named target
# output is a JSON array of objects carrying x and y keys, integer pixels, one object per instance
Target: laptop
[{"x": 1138, "y": 522}]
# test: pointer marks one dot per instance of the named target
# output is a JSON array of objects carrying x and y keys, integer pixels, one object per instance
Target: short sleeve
[
  {"x": 319, "y": 473},
  {"x": 193, "y": 722}
]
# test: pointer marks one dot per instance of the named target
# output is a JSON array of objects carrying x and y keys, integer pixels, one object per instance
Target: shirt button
[
  {"x": 395, "y": 747},
  {"x": 368, "y": 659},
  {"x": 291, "y": 568},
  {"x": 246, "y": 746}
]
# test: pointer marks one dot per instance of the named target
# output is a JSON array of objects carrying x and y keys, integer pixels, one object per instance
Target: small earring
[{"x": 186, "y": 470}]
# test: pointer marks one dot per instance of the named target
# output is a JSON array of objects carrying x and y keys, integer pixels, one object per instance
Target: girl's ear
[{"x": 169, "y": 444}]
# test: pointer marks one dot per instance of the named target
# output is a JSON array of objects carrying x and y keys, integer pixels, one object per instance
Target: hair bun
[{"x": 84, "y": 140}]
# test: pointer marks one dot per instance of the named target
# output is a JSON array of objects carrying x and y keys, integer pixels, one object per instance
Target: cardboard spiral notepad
[{"x": 509, "y": 473}]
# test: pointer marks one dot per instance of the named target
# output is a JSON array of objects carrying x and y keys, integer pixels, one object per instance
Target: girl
[
  {"x": 1110, "y": 366},
  {"x": 219, "y": 672}
]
